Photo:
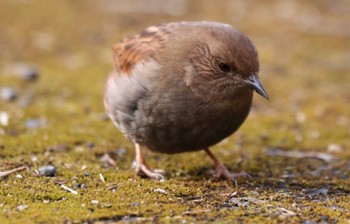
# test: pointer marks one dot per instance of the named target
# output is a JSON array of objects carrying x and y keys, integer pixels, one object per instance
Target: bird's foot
[
  {"x": 144, "y": 171},
  {"x": 222, "y": 172}
]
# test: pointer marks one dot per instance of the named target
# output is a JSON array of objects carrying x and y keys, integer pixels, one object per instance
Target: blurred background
[
  {"x": 55, "y": 56},
  {"x": 54, "y": 60}
]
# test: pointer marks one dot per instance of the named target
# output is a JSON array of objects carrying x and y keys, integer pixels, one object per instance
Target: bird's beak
[{"x": 254, "y": 83}]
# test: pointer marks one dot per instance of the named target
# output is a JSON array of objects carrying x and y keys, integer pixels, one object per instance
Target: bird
[{"x": 181, "y": 87}]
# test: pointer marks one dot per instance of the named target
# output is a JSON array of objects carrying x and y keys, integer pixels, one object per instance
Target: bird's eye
[{"x": 224, "y": 67}]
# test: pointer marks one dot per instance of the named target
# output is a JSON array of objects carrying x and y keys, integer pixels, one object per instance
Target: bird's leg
[
  {"x": 141, "y": 167},
  {"x": 222, "y": 171}
]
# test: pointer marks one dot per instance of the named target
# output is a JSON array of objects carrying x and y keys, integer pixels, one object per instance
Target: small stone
[
  {"x": 21, "y": 207},
  {"x": 34, "y": 159},
  {"x": 4, "y": 118},
  {"x": 48, "y": 171},
  {"x": 106, "y": 205},
  {"x": 19, "y": 176},
  {"x": 134, "y": 204},
  {"x": 162, "y": 191},
  {"x": 94, "y": 202},
  {"x": 8, "y": 94},
  {"x": 87, "y": 174}
]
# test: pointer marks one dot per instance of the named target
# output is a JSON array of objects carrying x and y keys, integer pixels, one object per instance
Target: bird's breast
[{"x": 174, "y": 124}]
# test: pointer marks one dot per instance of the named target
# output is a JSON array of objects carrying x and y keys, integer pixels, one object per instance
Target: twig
[
  {"x": 195, "y": 212},
  {"x": 8, "y": 172},
  {"x": 69, "y": 189},
  {"x": 102, "y": 178},
  {"x": 106, "y": 158},
  {"x": 298, "y": 154}
]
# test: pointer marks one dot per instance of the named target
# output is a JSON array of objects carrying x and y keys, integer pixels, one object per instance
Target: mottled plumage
[{"x": 181, "y": 87}]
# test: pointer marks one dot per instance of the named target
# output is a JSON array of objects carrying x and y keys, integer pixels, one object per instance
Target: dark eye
[{"x": 224, "y": 67}]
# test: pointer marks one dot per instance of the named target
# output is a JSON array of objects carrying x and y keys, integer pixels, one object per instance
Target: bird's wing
[
  {"x": 136, "y": 63},
  {"x": 141, "y": 47}
]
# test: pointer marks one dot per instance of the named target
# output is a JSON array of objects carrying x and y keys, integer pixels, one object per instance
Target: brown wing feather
[{"x": 141, "y": 47}]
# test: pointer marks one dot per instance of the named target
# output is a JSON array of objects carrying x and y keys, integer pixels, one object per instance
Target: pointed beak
[{"x": 254, "y": 83}]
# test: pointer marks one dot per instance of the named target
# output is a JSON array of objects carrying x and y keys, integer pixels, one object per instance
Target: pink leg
[
  {"x": 221, "y": 170},
  {"x": 141, "y": 167}
]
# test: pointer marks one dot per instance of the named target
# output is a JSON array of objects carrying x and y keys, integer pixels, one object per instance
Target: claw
[
  {"x": 222, "y": 172},
  {"x": 143, "y": 170}
]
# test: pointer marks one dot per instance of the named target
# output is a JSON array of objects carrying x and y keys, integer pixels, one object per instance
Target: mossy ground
[{"x": 304, "y": 52}]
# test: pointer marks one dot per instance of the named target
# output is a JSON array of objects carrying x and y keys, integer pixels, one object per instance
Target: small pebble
[
  {"x": 8, "y": 94},
  {"x": 4, "y": 118},
  {"x": 94, "y": 202},
  {"x": 162, "y": 191},
  {"x": 134, "y": 204},
  {"x": 87, "y": 174},
  {"x": 48, "y": 171},
  {"x": 106, "y": 205},
  {"x": 22, "y": 207},
  {"x": 34, "y": 159}
]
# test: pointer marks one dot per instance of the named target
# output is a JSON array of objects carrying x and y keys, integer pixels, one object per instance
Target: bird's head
[{"x": 226, "y": 60}]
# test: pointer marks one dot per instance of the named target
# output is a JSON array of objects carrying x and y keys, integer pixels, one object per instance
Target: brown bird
[{"x": 181, "y": 87}]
